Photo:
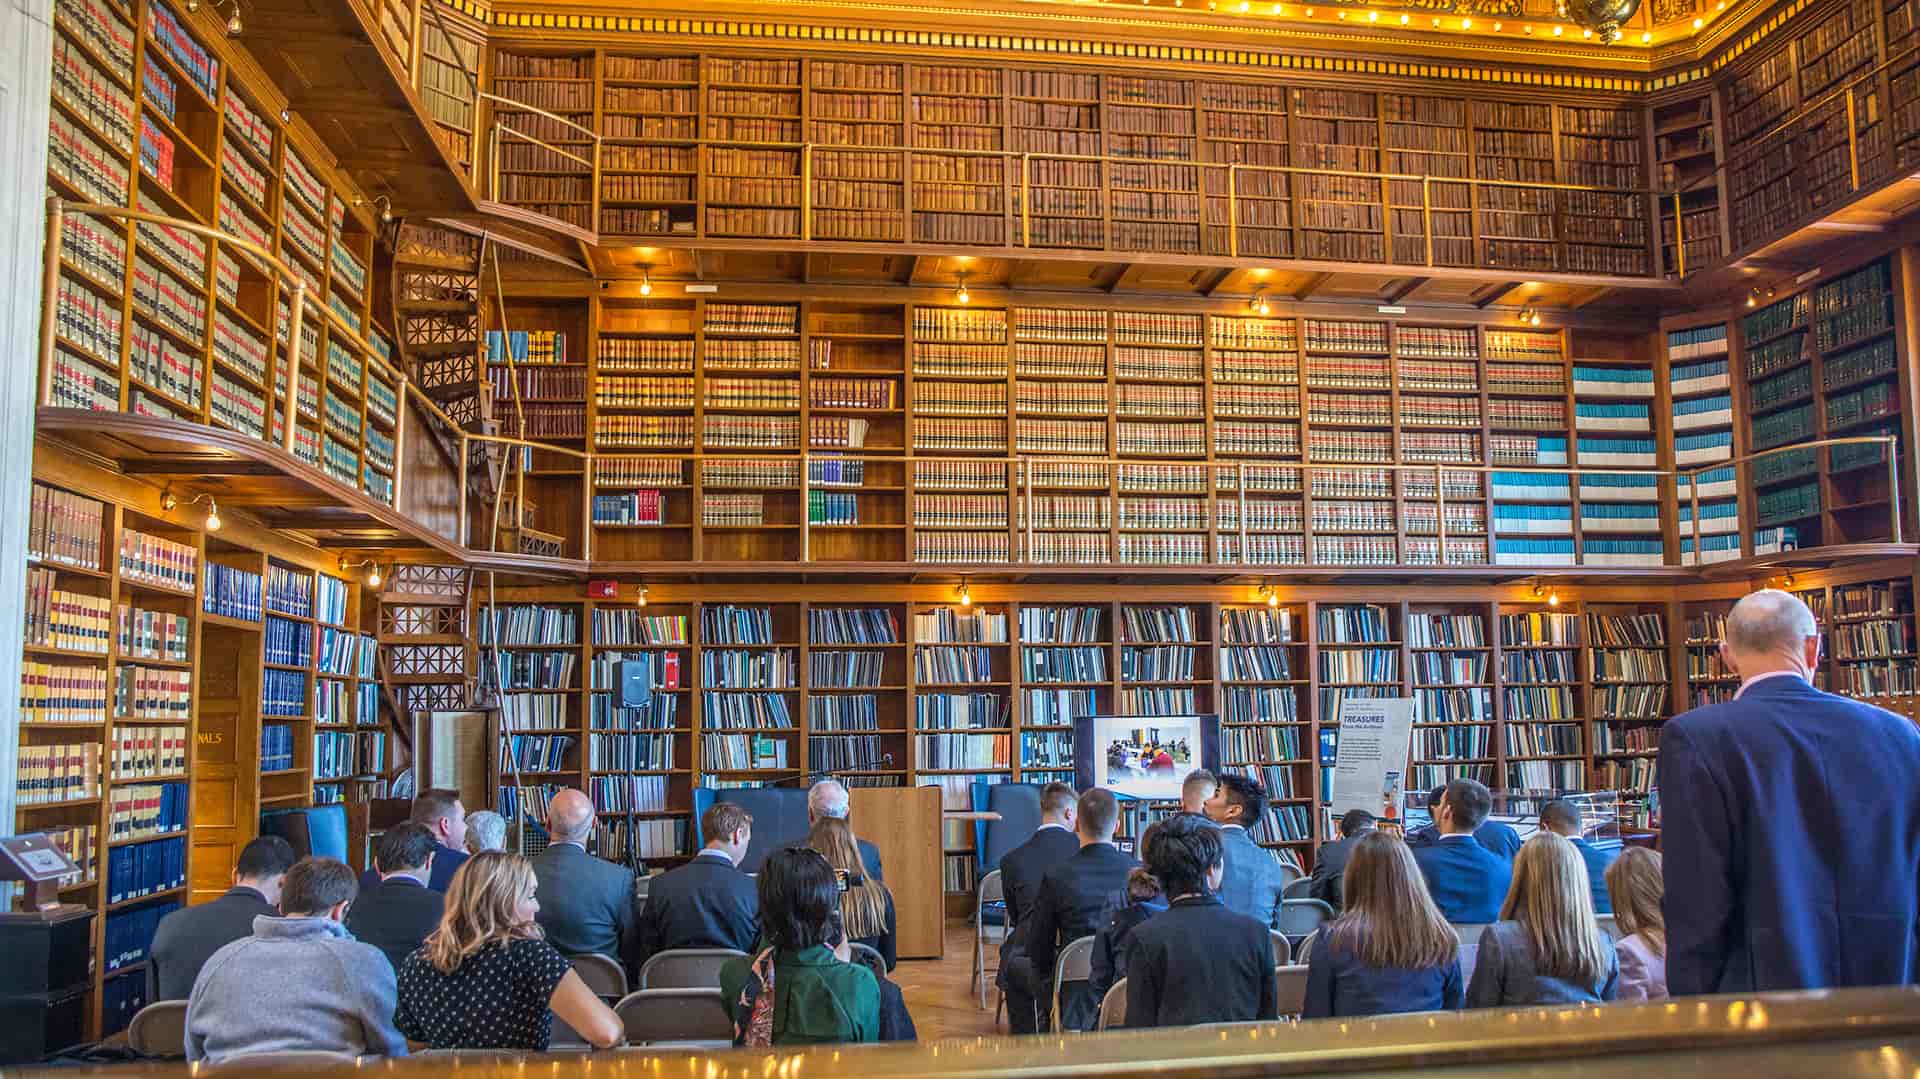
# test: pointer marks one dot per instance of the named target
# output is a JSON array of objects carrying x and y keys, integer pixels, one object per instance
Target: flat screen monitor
[{"x": 1145, "y": 757}]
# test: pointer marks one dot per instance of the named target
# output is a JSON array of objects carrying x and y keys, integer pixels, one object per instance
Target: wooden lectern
[{"x": 904, "y": 822}]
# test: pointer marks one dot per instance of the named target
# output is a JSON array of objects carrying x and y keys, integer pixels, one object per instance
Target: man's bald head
[
  {"x": 1770, "y": 631},
  {"x": 570, "y": 817}
]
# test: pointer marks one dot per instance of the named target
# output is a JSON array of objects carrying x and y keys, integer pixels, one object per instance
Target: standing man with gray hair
[
  {"x": 1790, "y": 824},
  {"x": 827, "y": 800}
]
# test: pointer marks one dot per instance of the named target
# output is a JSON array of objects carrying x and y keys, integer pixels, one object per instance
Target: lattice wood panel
[{"x": 417, "y": 620}]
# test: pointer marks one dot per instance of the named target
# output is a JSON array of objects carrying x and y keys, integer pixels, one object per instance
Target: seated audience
[
  {"x": 486, "y": 979},
  {"x": 1255, "y": 884},
  {"x": 1496, "y": 836},
  {"x": 486, "y": 830},
  {"x": 827, "y": 800},
  {"x": 709, "y": 902},
  {"x": 1467, "y": 880},
  {"x": 1562, "y": 818},
  {"x": 1195, "y": 790},
  {"x": 796, "y": 991},
  {"x": 1072, "y": 902},
  {"x": 866, "y": 906},
  {"x": 1390, "y": 951},
  {"x": 1021, "y": 870},
  {"x": 1198, "y": 962},
  {"x": 443, "y": 815},
  {"x": 1144, "y": 900},
  {"x": 1634, "y": 882},
  {"x": 588, "y": 905},
  {"x": 398, "y": 914},
  {"x": 1330, "y": 864},
  {"x": 299, "y": 983},
  {"x": 188, "y": 936},
  {"x": 1546, "y": 948}
]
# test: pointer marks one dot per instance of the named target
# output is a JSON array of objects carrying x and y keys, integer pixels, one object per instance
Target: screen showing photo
[{"x": 1145, "y": 756}]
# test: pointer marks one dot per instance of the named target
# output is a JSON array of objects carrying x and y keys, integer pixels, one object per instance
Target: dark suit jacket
[
  {"x": 1790, "y": 832},
  {"x": 1252, "y": 882},
  {"x": 1328, "y": 883},
  {"x": 395, "y": 917},
  {"x": 1021, "y": 870},
  {"x": 1468, "y": 881},
  {"x": 187, "y": 938},
  {"x": 587, "y": 904},
  {"x": 707, "y": 903},
  {"x": 1199, "y": 963},
  {"x": 1072, "y": 902},
  {"x": 445, "y": 861},
  {"x": 870, "y": 859},
  {"x": 1597, "y": 862}
]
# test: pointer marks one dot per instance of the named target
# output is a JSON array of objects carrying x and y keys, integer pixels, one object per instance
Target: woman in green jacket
[{"x": 797, "y": 991}]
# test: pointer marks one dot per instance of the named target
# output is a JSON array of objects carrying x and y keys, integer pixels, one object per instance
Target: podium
[{"x": 903, "y": 822}]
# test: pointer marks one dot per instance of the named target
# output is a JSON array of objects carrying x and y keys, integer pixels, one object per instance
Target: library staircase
[
  {"x": 437, "y": 284},
  {"x": 424, "y": 661}
]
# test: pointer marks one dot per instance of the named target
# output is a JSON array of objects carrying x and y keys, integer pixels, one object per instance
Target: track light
[
  {"x": 960, "y": 294},
  {"x": 965, "y": 594},
  {"x": 646, "y": 282},
  {"x": 1271, "y": 597},
  {"x": 640, "y": 595}
]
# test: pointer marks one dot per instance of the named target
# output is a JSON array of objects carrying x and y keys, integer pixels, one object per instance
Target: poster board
[{"x": 1370, "y": 762}]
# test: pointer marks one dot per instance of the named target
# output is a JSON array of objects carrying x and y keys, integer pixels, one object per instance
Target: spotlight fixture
[
  {"x": 1551, "y": 595},
  {"x": 1558, "y": 30},
  {"x": 385, "y": 206},
  {"x": 1535, "y": 320},
  {"x": 1269, "y": 596},
  {"x": 640, "y": 594},
  {"x": 1257, "y": 303},
  {"x": 285, "y": 116},
  {"x": 233, "y": 24},
  {"x": 169, "y": 501},
  {"x": 966, "y": 595},
  {"x": 1787, "y": 581},
  {"x": 960, "y": 294},
  {"x": 646, "y": 282},
  {"x": 373, "y": 577},
  {"x": 1753, "y": 297},
  {"x": 373, "y": 569},
  {"x": 1529, "y": 316}
]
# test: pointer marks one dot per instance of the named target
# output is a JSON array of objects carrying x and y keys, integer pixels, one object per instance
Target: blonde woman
[
  {"x": 866, "y": 907},
  {"x": 1635, "y": 882},
  {"x": 487, "y": 979},
  {"x": 1546, "y": 948},
  {"x": 1390, "y": 951}
]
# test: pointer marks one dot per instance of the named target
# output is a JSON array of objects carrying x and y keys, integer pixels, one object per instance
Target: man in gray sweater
[{"x": 300, "y": 982}]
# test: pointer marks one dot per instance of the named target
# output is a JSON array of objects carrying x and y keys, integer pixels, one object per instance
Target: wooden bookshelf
[
  {"x": 1544, "y": 745},
  {"x": 1630, "y": 692},
  {"x": 1687, "y": 156},
  {"x": 1266, "y": 722},
  {"x": 1450, "y": 664},
  {"x": 1704, "y": 434},
  {"x": 1358, "y": 651}
]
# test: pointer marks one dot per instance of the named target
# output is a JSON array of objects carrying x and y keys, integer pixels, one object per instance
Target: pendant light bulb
[
  {"x": 373, "y": 577},
  {"x": 960, "y": 294},
  {"x": 168, "y": 502},
  {"x": 1553, "y": 598},
  {"x": 1536, "y": 319},
  {"x": 233, "y": 25},
  {"x": 646, "y": 283},
  {"x": 966, "y": 596},
  {"x": 213, "y": 515},
  {"x": 640, "y": 595}
]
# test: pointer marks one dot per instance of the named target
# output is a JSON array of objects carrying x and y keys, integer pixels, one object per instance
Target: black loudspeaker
[
  {"x": 44, "y": 983},
  {"x": 634, "y": 681}
]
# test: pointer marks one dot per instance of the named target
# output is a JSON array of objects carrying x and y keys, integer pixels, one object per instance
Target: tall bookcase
[
  {"x": 1266, "y": 727},
  {"x": 1357, "y": 653},
  {"x": 1542, "y": 700},
  {"x": 1630, "y": 693},
  {"x": 1704, "y": 435},
  {"x": 1450, "y": 666}
]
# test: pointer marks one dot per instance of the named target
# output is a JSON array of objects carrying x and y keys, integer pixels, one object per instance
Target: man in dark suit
[
  {"x": 1073, "y": 900},
  {"x": 187, "y": 937},
  {"x": 1021, "y": 871},
  {"x": 1468, "y": 881},
  {"x": 1197, "y": 961},
  {"x": 1254, "y": 883},
  {"x": 1330, "y": 864},
  {"x": 441, "y": 813},
  {"x": 1790, "y": 824},
  {"x": 401, "y": 911},
  {"x": 827, "y": 800},
  {"x": 1497, "y": 836},
  {"x": 709, "y": 902},
  {"x": 1563, "y": 818},
  {"x": 587, "y": 904}
]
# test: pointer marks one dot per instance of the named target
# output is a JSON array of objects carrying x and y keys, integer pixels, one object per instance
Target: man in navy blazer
[
  {"x": 1073, "y": 901},
  {"x": 709, "y": 902},
  {"x": 1563, "y": 818},
  {"x": 402, "y": 912},
  {"x": 1021, "y": 871},
  {"x": 1468, "y": 881},
  {"x": 1497, "y": 836},
  {"x": 1253, "y": 882},
  {"x": 1790, "y": 824},
  {"x": 441, "y": 813}
]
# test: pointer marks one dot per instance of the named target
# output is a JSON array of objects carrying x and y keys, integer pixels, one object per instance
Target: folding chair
[
  {"x": 992, "y": 899},
  {"x": 691, "y": 1018},
  {"x": 1113, "y": 1006},
  {"x": 159, "y": 1030},
  {"x": 1290, "y": 989},
  {"x": 1075, "y": 964},
  {"x": 1282, "y": 948},
  {"x": 606, "y": 978},
  {"x": 868, "y": 956},
  {"x": 685, "y": 968},
  {"x": 1300, "y": 918},
  {"x": 1469, "y": 946}
]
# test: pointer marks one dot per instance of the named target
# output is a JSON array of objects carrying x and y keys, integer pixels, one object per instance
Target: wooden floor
[{"x": 938, "y": 991}]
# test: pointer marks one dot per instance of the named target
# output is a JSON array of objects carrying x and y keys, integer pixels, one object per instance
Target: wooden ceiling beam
[
  {"x": 160, "y": 466},
  {"x": 1312, "y": 285},
  {"x": 1488, "y": 294},
  {"x": 1211, "y": 283},
  {"x": 1401, "y": 289}
]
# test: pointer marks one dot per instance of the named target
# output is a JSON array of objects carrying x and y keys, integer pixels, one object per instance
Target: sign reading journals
[{"x": 1370, "y": 768}]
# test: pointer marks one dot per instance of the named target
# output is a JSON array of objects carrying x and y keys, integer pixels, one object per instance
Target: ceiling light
[
  {"x": 1646, "y": 36},
  {"x": 966, "y": 595},
  {"x": 1373, "y": 16},
  {"x": 1585, "y": 32},
  {"x": 1528, "y": 28},
  {"x": 1698, "y": 23},
  {"x": 1404, "y": 19},
  {"x": 1267, "y": 594},
  {"x": 1343, "y": 15},
  {"x": 1558, "y": 30},
  {"x": 1466, "y": 24},
  {"x": 1498, "y": 26},
  {"x": 168, "y": 502},
  {"x": 960, "y": 294},
  {"x": 1244, "y": 6},
  {"x": 646, "y": 282}
]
